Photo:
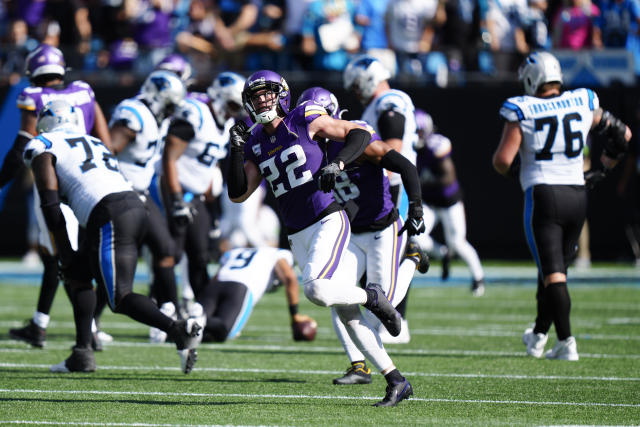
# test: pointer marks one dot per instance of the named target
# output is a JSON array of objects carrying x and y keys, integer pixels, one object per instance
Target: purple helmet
[
  {"x": 277, "y": 95},
  {"x": 177, "y": 64},
  {"x": 424, "y": 123},
  {"x": 44, "y": 59},
  {"x": 322, "y": 97}
]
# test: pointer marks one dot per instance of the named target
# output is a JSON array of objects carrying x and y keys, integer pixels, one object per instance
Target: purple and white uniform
[
  {"x": 436, "y": 148},
  {"x": 289, "y": 160},
  {"x": 375, "y": 241}
]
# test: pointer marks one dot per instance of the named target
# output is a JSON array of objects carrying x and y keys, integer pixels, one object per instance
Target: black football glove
[
  {"x": 613, "y": 130},
  {"x": 593, "y": 177},
  {"x": 238, "y": 136},
  {"x": 328, "y": 175},
  {"x": 414, "y": 223},
  {"x": 182, "y": 212}
]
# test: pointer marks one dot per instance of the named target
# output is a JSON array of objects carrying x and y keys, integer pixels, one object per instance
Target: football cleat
[
  {"x": 30, "y": 333},
  {"x": 188, "y": 358},
  {"x": 535, "y": 342},
  {"x": 187, "y": 334},
  {"x": 81, "y": 360},
  {"x": 477, "y": 288},
  {"x": 384, "y": 310},
  {"x": 358, "y": 373},
  {"x": 104, "y": 337},
  {"x": 156, "y": 335},
  {"x": 414, "y": 252},
  {"x": 396, "y": 393},
  {"x": 564, "y": 350}
]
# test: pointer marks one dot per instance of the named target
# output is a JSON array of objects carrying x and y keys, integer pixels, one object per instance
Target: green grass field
[{"x": 465, "y": 360}]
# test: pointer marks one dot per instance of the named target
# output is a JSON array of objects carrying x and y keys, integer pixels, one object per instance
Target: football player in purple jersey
[
  {"x": 442, "y": 198},
  {"x": 281, "y": 149},
  {"x": 377, "y": 230},
  {"x": 45, "y": 67}
]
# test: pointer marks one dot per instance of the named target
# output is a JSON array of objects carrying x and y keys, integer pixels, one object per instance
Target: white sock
[
  {"x": 41, "y": 319},
  {"x": 343, "y": 335}
]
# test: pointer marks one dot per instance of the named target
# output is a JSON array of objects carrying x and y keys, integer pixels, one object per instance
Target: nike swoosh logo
[
  {"x": 377, "y": 237},
  {"x": 322, "y": 222}
]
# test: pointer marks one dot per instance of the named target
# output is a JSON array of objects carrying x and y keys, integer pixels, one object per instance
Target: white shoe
[
  {"x": 104, "y": 337},
  {"x": 535, "y": 342},
  {"x": 564, "y": 350},
  {"x": 157, "y": 336},
  {"x": 403, "y": 338},
  {"x": 196, "y": 311},
  {"x": 31, "y": 259}
]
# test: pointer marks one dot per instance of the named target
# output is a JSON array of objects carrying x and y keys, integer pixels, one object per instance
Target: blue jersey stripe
[
  {"x": 244, "y": 316},
  {"x": 591, "y": 96},
  {"x": 514, "y": 107},
  {"x": 528, "y": 225},
  {"x": 135, "y": 113},
  {"x": 46, "y": 142},
  {"x": 191, "y": 101}
]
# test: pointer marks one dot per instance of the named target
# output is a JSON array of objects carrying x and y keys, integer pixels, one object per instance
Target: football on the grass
[{"x": 305, "y": 330}]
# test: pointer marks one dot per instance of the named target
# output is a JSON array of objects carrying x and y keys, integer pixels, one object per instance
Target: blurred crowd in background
[{"x": 430, "y": 39}]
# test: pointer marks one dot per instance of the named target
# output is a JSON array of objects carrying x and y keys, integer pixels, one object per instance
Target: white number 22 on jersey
[{"x": 291, "y": 158}]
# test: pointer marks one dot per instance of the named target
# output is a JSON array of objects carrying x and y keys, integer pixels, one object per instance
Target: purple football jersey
[
  {"x": 290, "y": 161},
  {"x": 366, "y": 184},
  {"x": 437, "y": 148},
  {"x": 78, "y": 93}
]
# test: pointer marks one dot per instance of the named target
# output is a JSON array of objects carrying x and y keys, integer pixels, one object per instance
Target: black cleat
[
  {"x": 396, "y": 393},
  {"x": 446, "y": 262},
  {"x": 477, "y": 288},
  {"x": 186, "y": 333},
  {"x": 358, "y": 373},
  {"x": 383, "y": 309},
  {"x": 188, "y": 358},
  {"x": 30, "y": 333},
  {"x": 414, "y": 252},
  {"x": 81, "y": 360}
]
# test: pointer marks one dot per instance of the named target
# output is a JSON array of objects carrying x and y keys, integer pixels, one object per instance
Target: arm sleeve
[
  {"x": 354, "y": 145},
  {"x": 13, "y": 161},
  {"x": 236, "y": 177},
  {"x": 391, "y": 125},
  {"x": 396, "y": 162},
  {"x": 182, "y": 129}
]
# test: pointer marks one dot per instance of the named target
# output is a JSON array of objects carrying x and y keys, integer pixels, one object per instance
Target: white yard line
[
  {"x": 309, "y": 396},
  {"x": 323, "y": 372}
]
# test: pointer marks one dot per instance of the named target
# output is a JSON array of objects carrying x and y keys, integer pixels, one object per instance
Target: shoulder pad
[
  {"x": 38, "y": 145},
  {"x": 512, "y": 110},
  {"x": 127, "y": 112},
  {"x": 439, "y": 145}
]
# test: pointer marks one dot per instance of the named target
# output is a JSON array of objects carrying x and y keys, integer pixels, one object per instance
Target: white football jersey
[
  {"x": 138, "y": 158},
  {"x": 400, "y": 102},
  {"x": 196, "y": 165},
  {"x": 252, "y": 267},
  {"x": 554, "y": 132},
  {"x": 87, "y": 171}
]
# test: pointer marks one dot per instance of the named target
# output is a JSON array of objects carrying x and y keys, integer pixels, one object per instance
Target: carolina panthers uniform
[
  {"x": 443, "y": 203},
  {"x": 33, "y": 98},
  {"x": 102, "y": 200},
  {"x": 554, "y": 133},
  {"x": 399, "y": 102},
  {"x": 244, "y": 276},
  {"x": 289, "y": 160}
]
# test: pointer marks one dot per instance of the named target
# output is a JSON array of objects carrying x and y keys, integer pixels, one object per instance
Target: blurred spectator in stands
[
  {"x": 506, "y": 33},
  {"x": 238, "y": 16},
  {"x": 15, "y": 46},
  {"x": 370, "y": 24},
  {"x": 292, "y": 30},
  {"x": 573, "y": 25},
  {"x": 328, "y": 34},
  {"x": 411, "y": 28},
  {"x": 618, "y": 26},
  {"x": 152, "y": 33},
  {"x": 266, "y": 40},
  {"x": 536, "y": 25},
  {"x": 461, "y": 33}
]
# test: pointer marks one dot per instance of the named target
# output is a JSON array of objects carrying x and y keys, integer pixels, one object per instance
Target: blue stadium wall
[{"x": 469, "y": 117}]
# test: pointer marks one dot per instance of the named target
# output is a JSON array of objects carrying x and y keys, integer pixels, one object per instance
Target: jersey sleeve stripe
[
  {"x": 190, "y": 101},
  {"x": 135, "y": 113},
  {"x": 591, "y": 95},
  {"x": 515, "y": 108},
  {"x": 47, "y": 143}
]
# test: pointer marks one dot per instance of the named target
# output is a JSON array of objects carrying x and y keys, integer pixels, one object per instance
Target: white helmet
[
  {"x": 363, "y": 74},
  {"x": 58, "y": 115},
  {"x": 225, "y": 93},
  {"x": 163, "y": 91},
  {"x": 539, "y": 68}
]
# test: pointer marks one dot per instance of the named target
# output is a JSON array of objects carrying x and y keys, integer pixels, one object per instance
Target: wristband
[{"x": 293, "y": 309}]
